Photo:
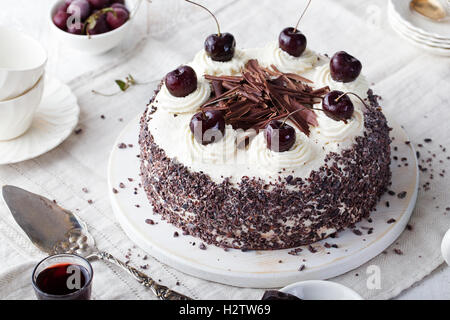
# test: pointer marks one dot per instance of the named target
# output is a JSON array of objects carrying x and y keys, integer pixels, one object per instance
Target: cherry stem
[
  {"x": 304, "y": 11},
  {"x": 338, "y": 98},
  {"x": 217, "y": 22}
]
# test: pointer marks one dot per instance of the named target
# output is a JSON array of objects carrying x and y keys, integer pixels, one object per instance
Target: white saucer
[
  {"x": 418, "y": 23},
  {"x": 53, "y": 122},
  {"x": 257, "y": 269},
  {"x": 321, "y": 290}
]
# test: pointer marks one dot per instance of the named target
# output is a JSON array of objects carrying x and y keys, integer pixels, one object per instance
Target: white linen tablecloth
[{"x": 415, "y": 87}]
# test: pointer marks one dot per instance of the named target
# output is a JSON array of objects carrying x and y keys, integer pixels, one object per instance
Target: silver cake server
[{"x": 56, "y": 230}]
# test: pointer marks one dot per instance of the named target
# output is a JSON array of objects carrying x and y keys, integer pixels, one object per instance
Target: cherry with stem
[{"x": 219, "y": 46}]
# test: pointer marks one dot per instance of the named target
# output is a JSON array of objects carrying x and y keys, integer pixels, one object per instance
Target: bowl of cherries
[{"x": 92, "y": 26}]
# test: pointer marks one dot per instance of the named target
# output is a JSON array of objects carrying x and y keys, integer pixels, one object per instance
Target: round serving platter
[{"x": 258, "y": 269}]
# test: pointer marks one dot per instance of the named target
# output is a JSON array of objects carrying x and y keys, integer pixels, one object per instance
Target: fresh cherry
[
  {"x": 208, "y": 126},
  {"x": 278, "y": 295},
  {"x": 337, "y": 106},
  {"x": 220, "y": 47},
  {"x": 99, "y": 4},
  {"x": 117, "y": 18},
  {"x": 279, "y": 136},
  {"x": 76, "y": 28},
  {"x": 80, "y": 8},
  {"x": 181, "y": 81},
  {"x": 344, "y": 67},
  {"x": 120, "y": 5},
  {"x": 60, "y": 19},
  {"x": 96, "y": 24},
  {"x": 292, "y": 41}
]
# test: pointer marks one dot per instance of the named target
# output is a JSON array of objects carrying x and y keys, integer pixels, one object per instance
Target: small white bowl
[
  {"x": 16, "y": 115},
  {"x": 445, "y": 247},
  {"x": 321, "y": 290},
  {"x": 22, "y": 63},
  {"x": 95, "y": 44}
]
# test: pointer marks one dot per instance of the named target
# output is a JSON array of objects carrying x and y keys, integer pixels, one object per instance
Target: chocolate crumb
[
  {"x": 357, "y": 232},
  {"x": 122, "y": 145},
  {"x": 392, "y": 220},
  {"x": 202, "y": 246},
  {"x": 402, "y": 195},
  {"x": 398, "y": 251},
  {"x": 302, "y": 267},
  {"x": 78, "y": 131},
  {"x": 114, "y": 190},
  {"x": 149, "y": 221}
]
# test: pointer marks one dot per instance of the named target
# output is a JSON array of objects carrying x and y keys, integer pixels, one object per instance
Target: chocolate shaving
[{"x": 261, "y": 95}]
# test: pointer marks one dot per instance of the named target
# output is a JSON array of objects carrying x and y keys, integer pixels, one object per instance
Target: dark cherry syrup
[{"x": 60, "y": 280}]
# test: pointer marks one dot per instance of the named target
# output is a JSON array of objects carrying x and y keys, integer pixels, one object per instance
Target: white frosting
[
  {"x": 203, "y": 64},
  {"x": 190, "y": 103},
  {"x": 287, "y": 63},
  {"x": 338, "y": 131},
  {"x": 271, "y": 161},
  {"x": 220, "y": 151},
  {"x": 323, "y": 78},
  {"x": 223, "y": 159}
]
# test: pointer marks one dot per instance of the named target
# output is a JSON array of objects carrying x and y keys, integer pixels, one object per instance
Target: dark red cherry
[
  {"x": 278, "y": 295},
  {"x": 344, "y": 67},
  {"x": 96, "y": 24},
  {"x": 181, "y": 81},
  {"x": 337, "y": 106},
  {"x": 80, "y": 8},
  {"x": 60, "y": 19},
  {"x": 117, "y": 18},
  {"x": 280, "y": 136},
  {"x": 99, "y": 4},
  {"x": 208, "y": 126},
  {"x": 292, "y": 41},
  {"x": 220, "y": 47},
  {"x": 76, "y": 28}
]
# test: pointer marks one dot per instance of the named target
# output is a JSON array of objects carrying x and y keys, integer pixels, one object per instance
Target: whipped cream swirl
[
  {"x": 203, "y": 64},
  {"x": 221, "y": 151},
  {"x": 322, "y": 78},
  {"x": 338, "y": 131},
  {"x": 190, "y": 103},
  {"x": 299, "y": 155},
  {"x": 287, "y": 63}
]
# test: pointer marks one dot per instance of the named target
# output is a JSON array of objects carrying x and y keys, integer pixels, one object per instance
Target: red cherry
[
  {"x": 181, "y": 81},
  {"x": 208, "y": 126},
  {"x": 280, "y": 137},
  {"x": 338, "y": 106}
]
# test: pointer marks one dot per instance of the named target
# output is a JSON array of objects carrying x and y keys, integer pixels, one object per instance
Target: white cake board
[{"x": 257, "y": 269}]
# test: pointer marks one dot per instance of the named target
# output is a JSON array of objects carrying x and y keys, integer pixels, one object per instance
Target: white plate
[
  {"x": 394, "y": 16},
  {"x": 399, "y": 28},
  {"x": 420, "y": 24},
  {"x": 321, "y": 290},
  {"x": 54, "y": 121},
  {"x": 419, "y": 44},
  {"x": 257, "y": 269}
]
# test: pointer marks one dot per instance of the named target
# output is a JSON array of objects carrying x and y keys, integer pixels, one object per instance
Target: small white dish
[
  {"x": 428, "y": 47},
  {"x": 22, "y": 63},
  {"x": 439, "y": 30},
  {"x": 415, "y": 36},
  {"x": 321, "y": 290},
  {"x": 16, "y": 114},
  {"x": 53, "y": 122},
  {"x": 445, "y": 247},
  {"x": 95, "y": 44},
  {"x": 402, "y": 24}
]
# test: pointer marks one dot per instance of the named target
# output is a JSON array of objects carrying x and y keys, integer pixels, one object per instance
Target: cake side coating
[{"x": 255, "y": 214}]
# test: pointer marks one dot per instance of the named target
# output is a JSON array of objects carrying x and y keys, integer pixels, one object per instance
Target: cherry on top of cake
[{"x": 219, "y": 46}]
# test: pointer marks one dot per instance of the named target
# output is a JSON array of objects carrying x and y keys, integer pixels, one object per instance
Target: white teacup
[
  {"x": 22, "y": 63},
  {"x": 16, "y": 115}
]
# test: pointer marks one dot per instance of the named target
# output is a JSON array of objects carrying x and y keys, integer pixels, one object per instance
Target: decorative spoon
[{"x": 432, "y": 9}]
